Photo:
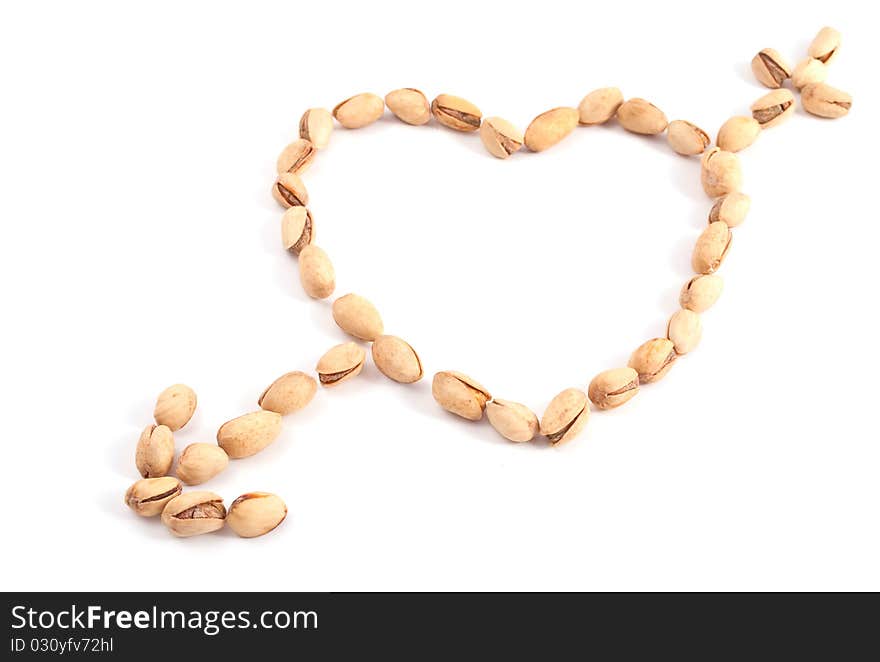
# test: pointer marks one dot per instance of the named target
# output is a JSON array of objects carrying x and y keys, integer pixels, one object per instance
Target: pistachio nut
[
  {"x": 256, "y": 514},
  {"x": 409, "y": 105},
  {"x": 701, "y": 292},
  {"x": 359, "y": 110},
  {"x": 825, "y": 45},
  {"x": 809, "y": 70},
  {"x": 148, "y": 496},
  {"x": 155, "y": 451},
  {"x": 194, "y": 513},
  {"x": 600, "y": 105},
  {"x": 289, "y": 190},
  {"x": 500, "y": 137},
  {"x": 612, "y": 388},
  {"x": 358, "y": 317},
  {"x": 565, "y": 416},
  {"x": 297, "y": 229},
  {"x": 316, "y": 125},
  {"x": 316, "y": 272},
  {"x": 822, "y": 100},
  {"x": 200, "y": 462},
  {"x": 686, "y": 138},
  {"x": 640, "y": 116},
  {"x": 459, "y": 394},
  {"x": 770, "y": 68},
  {"x": 249, "y": 434},
  {"x": 456, "y": 113},
  {"x": 340, "y": 364},
  {"x": 711, "y": 248},
  {"x": 684, "y": 330},
  {"x": 512, "y": 420},
  {"x": 720, "y": 173},
  {"x": 738, "y": 133},
  {"x": 653, "y": 359},
  {"x": 296, "y": 157},
  {"x": 396, "y": 359},
  {"x": 773, "y": 108},
  {"x": 289, "y": 393},
  {"x": 550, "y": 127},
  {"x": 175, "y": 406},
  {"x": 731, "y": 209}
]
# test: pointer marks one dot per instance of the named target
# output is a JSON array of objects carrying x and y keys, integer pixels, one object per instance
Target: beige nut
[
  {"x": 175, "y": 406},
  {"x": 565, "y": 416},
  {"x": 600, "y": 105},
  {"x": 296, "y": 157},
  {"x": 550, "y": 127},
  {"x": 359, "y": 110},
  {"x": 396, "y": 359},
  {"x": 316, "y": 125},
  {"x": 686, "y": 138},
  {"x": 770, "y": 68},
  {"x": 773, "y": 108},
  {"x": 701, "y": 292},
  {"x": 459, "y": 394},
  {"x": 289, "y": 190},
  {"x": 297, "y": 229},
  {"x": 200, "y": 462},
  {"x": 256, "y": 514},
  {"x": 456, "y": 113},
  {"x": 825, "y": 45},
  {"x": 409, "y": 105},
  {"x": 289, "y": 393},
  {"x": 711, "y": 248},
  {"x": 148, "y": 496},
  {"x": 612, "y": 388},
  {"x": 684, "y": 330},
  {"x": 358, "y": 317},
  {"x": 500, "y": 137},
  {"x": 249, "y": 434},
  {"x": 720, "y": 172},
  {"x": 316, "y": 272},
  {"x": 155, "y": 451},
  {"x": 809, "y": 70},
  {"x": 731, "y": 209},
  {"x": 738, "y": 133},
  {"x": 340, "y": 363},
  {"x": 194, "y": 513},
  {"x": 653, "y": 359},
  {"x": 822, "y": 100},
  {"x": 640, "y": 116},
  {"x": 512, "y": 420}
]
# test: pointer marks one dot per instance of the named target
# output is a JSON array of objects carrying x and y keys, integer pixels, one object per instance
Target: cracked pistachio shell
[
  {"x": 201, "y": 462},
  {"x": 409, "y": 105},
  {"x": 701, "y": 292},
  {"x": 653, "y": 359},
  {"x": 720, "y": 172},
  {"x": 686, "y": 138},
  {"x": 770, "y": 68},
  {"x": 550, "y": 127},
  {"x": 316, "y": 272},
  {"x": 711, "y": 248},
  {"x": 684, "y": 330},
  {"x": 249, "y": 434},
  {"x": 175, "y": 406},
  {"x": 256, "y": 514},
  {"x": 340, "y": 364},
  {"x": 640, "y": 116},
  {"x": 512, "y": 420},
  {"x": 600, "y": 105},
  {"x": 773, "y": 108},
  {"x": 148, "y": 496},
  {"x": 456, "y": 113},
  {"x": 194, "y": 513},
  {"x": 738, "y": 133},
  {"x": 396, "y": 359},
  {"x": 612, "y": 388},
  {"x": 357, "y": 317},
  {"x": 155, "y": 451},
  {"x": 316, "y": 125},
  {"x": 500, "y": 137},
  {"x": 296, "y": 157},
  {"x": 289, "y": 393},
  {"x": 459, "y": 394},
  {"x": 822, "y": 100},
  {"x": 808, "y": 70},
  {"x": 565, "y": 416},
  {"x": 359, "y": 110},
  {"x": 825, "y": 45},
  {"x": 289, "y": 190},
  {"x": 731, "y": 209},
  {"x": 297, "y": 229}
]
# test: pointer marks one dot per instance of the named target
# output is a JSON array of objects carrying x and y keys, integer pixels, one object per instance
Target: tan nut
[
  {"x": 653, "y": 359},
  {"x": 770, "y": 68},
  {"x": 720, "y": 173},
  {"x": 565, "y": 416},
  {"x": 297, "y": 229},
  {"x": 256, "y": 514},
  {"x": 711, "y": 248},
  {"x": 684, "y": 330},
  {"x": 194, "y": 513},
  {"x": 500, "y": 137},
  {"x": 456, "y": 113},
  {"x": 409, "y": 105},
  {"x": 289, "y": 190},
  {"x": 340, "y": 364},
  {"x": 737, "y": 133},
  {"x": 686, "y": 138},
  {"x": 773, "y": 108},
  {"x": 396, "y": 359},
  {"x": 512, "y": 420},
  {"x": 316, "y": 272},
  {"x": 600, "y": 105},
  {"x": 825, "y": 45},
  {"x": 459, "y": 394},
  {"x": 701, "y": 292},
  {"x": 200, "y": 462},
  {"x": 155, "y": 451},
  {"x": 359, "y": 111},
  {"x": 640, "y": 116},
  {"x": 296, "y": 157},
  {"x": 289, "y": 393},
  {"x": 175, "y": 406},
  {"x": 809, "y": 70},
  {"x": 550, "y": 127},
  {"x": 148, "y": 496},
  {"x": 249, "y": 434},
  {"x": 612, "y": 388},
  {"x": 731, "y": 209},
  {"x": 316, "y": 125},
  {"x": 822, "y": 100},
  {"x": 358, "y": 317}
]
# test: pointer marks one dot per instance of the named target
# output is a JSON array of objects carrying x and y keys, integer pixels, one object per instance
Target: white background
[{"x": 141, "y": 247}]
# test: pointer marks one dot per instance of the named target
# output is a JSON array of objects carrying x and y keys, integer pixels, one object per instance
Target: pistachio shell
[
  {"x": 653, "y": 359},
  {"x": 825, "y": 45},
  {"x": 396, "y": 359},
  {"x": 175, "y": 406},
  {"x": 512, "y": 420},
  {"x": 701, "y": 292},
  {"x": 770, "y": 68},
  {"x": 256, "y": 514},
  {"x": 194, "y": 513},
  {"x": 565, "y": 416},
  {"x": 340, "y": 363},
  {"x": 640, "y": 116},
  {"x": 684, "y": 330},
  {"x": 686, "y": 138},
  {"x": 773, "y": 108},
  {"x": 612, "y": 388},
  {"x": 500, "y": 137},
  {"x": 359, "y": 110},
  {"x": 823, "y": 100},
  {"x": 148, "y": 496},
  {"x": 409, "y": 105},
  {"x": 731, "y": 209},
  {"x": 809, "y": 70},
  {"x": 456, "y": 113},
  {"x": 249, "y": 434},
  {"x": 316, "y": 125},
  {"x": 201, "y": 462},
  {"x": 711, "y": 248},
  {"x": 738, "y": 133},
  {"x": 155, "y": 451},
  {"x": 289, "y": 190},
  {"x": 550, "y": 127},
  {"x": 459, "y": 394},
  {"x": 357, "y": 317},
  {"x": 289, "y": 393},
  {"x": 297, "y": 229},
  {"x": 316, "y": 272},
  {"x": 600, "y": 105},
  {"x": 296, "y": 157},
  {"x": 720, "y": 173}
]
